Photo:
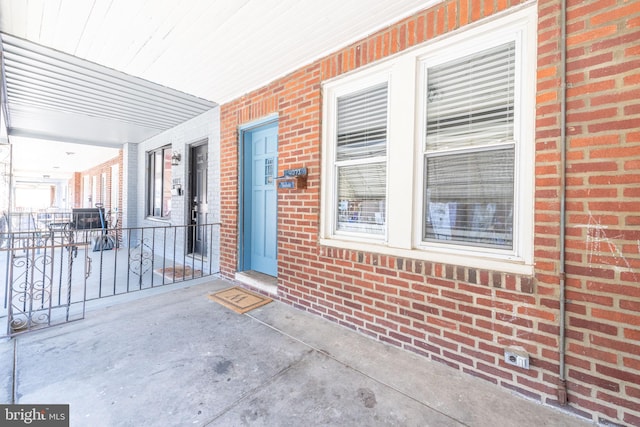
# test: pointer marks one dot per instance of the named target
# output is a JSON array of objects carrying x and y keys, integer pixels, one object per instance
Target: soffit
[
  {"x": 106, "y": 72},
  {"x": 212, "y": 49},
  {"x": 51, "y": 95}
]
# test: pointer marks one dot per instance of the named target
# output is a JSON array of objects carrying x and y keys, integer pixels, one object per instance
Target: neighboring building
[
  {"x": 101, "y": 184},
  {"x": 195, "y": 146},
  {"x": 432, "y": 214},
  {"x": 172, "y": 179}
]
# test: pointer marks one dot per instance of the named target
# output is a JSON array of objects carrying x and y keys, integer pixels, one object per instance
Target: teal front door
[{"x": 260, "y": 200}]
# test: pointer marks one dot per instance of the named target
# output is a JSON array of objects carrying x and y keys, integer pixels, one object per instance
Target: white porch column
[{"x": 130, "y": 185}]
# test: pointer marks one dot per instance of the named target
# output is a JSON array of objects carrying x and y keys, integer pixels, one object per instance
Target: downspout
[{"x": 562, "y": 381}]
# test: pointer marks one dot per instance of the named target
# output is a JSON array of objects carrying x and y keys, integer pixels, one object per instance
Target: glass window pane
[
  {"x": 157, "y": 184},
  {"x": 362, "y": 124},
  {"x": 166, "y": 185},
  {"x": 470, "y": 101},
  {"x": 362, "y": 198},
  {"x": 469, "y": 198}
]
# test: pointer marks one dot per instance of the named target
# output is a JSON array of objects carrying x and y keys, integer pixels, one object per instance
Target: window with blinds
[
  {"x": 361, "y": 163},
  {"x": 430, "y": 154},
  {"x": 159, "y": 183},
  {"x": 470, "y": 150}
]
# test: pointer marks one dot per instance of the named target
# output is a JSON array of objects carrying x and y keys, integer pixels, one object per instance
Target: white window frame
[
  {"x": 329, "y": 199},
  {"x": 86, "y": 194},
  {"x": 405, "y": 73},
  {"x": 150, "y": 186},
  {"x": 103, "y": 188},
  {"x": 94, "y": 190}
]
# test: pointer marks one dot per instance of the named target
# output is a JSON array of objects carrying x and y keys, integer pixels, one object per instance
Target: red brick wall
[
  {"x": 75, "y": 188},
  {"x": 603, "y": 201},
  {"x": 461, "y": 316},
  {"x": 77, "y": 183}
]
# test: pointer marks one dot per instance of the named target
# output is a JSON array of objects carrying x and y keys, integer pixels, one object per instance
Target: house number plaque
[{"x": 293, "y": 179}]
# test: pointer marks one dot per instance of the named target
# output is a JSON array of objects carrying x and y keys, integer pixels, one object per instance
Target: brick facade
[
  {"x": 465, "y": 317},
  {"x": 77, "y": 182}
]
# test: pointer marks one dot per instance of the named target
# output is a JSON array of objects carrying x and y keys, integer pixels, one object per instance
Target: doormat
[
  {"x": 239, "y": 299},
  {"x": 179, "y": 272}
]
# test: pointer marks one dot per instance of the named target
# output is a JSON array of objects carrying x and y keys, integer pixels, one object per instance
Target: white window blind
[
  {"x": 361, "y": 160},
  {"x": 470, "y": 101},
  {"x": 470, "y": 149},
  {"x": 362, "y": 124}
]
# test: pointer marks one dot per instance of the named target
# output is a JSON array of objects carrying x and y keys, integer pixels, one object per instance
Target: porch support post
[{"x": 130, "y": 178}]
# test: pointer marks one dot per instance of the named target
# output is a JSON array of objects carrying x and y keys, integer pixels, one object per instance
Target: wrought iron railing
[
  {"x": 40, "y": 289},
  {"x": 61, "y": 266},
  {"x": 45, "y": 221}
]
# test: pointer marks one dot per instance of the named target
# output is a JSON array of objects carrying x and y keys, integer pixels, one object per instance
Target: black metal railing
[
  {"x": 39, "y": 290},
  {"x": 71, "y": 266},
  {"x": 45, "y": 221},
  {"x": 129, "y": 259}
]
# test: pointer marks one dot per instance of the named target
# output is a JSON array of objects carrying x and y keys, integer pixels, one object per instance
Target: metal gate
[
  {"x": 47, "y": 268},
  {"x": 43, "y": 287}
]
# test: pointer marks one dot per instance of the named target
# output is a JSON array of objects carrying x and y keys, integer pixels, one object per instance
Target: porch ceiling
[
  {"x": 105, "y": 72},
  {"x": 55, "y": 96}
]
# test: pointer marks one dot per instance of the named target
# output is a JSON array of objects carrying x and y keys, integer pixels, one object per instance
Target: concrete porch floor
[{"x": 176, "y": 358}]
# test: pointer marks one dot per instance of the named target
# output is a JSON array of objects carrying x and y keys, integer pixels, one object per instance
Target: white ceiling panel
[
  {"x": 53, "y": 95},
  {"x": 55, "y": 160},
  {"x": 104, "y": 72},
  {"x": 213, "y": 49}
]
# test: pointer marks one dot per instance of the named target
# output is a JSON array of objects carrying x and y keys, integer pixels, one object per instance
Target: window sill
[
  {"x": 479, "y": 261},
  {"x": 165, "y": 221}
]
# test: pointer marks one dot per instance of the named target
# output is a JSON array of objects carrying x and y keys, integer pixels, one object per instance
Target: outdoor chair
[{"x": 90, "y": 225}]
